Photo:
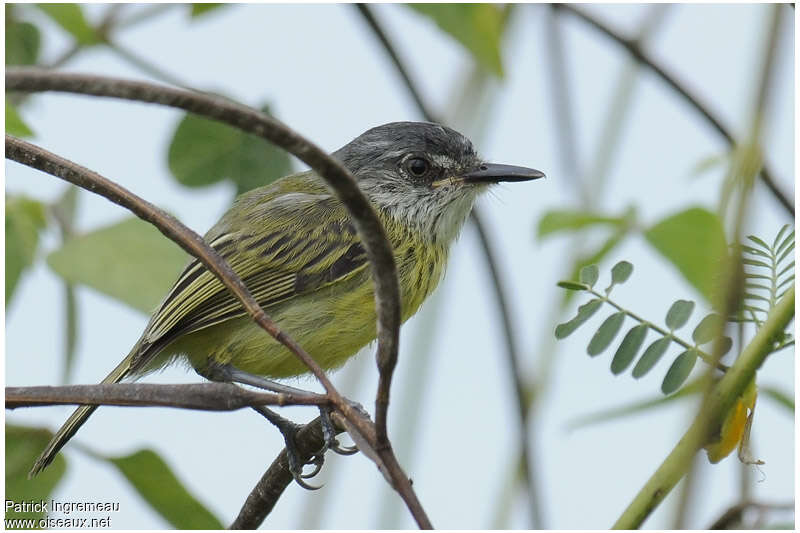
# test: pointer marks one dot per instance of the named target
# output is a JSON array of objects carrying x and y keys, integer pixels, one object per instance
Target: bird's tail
[{"x": 76, "y": 420}]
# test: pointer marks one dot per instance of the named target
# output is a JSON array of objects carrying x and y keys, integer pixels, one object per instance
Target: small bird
[{"x": 293, "y": 245}]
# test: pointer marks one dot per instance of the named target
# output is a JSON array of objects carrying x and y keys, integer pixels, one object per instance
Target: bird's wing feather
[{"x": 309, "y": 244}]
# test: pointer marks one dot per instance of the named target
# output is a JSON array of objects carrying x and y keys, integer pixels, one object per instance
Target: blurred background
[{"x": 534, "y": 85}]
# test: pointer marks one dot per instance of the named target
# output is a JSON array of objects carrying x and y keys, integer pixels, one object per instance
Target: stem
[
  {"x": 643, "y": 57},
  {"x": 200, "y": 396},
  {"x": 720, "y": 401},
  {"x": 664, "y": 333}
]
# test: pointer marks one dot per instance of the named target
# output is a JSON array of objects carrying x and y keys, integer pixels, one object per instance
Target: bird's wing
[{"x": 301, "y": 242}]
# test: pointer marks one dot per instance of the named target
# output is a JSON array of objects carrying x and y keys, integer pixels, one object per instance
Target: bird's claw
[
  {"x": 329, "y": 435},
  {"x": 292, "y": 458}
]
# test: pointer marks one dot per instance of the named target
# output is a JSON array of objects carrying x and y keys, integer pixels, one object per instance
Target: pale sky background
[{"x": 324, "y": 75}]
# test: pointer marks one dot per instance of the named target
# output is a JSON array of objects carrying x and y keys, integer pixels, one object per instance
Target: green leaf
[
  {"x": 636, "y": 407},
  {"x": 707, "y": 329},
  {"x": 477, "y": 27},
  {"x": 755, "y": 262},
  {"x": 778, "y": 396},
  {"x": 678, "y": 372},
  {"x": 23, "y": 445},
  {"x": 565, "y": 220},
  {"x": 694, "y": 241},
  {"x": 23, "y": 41},
  {"x": 156, "y": 483},
  {"x": 779, "y": 235},
  {"x": 789, "y": 239},
  {"x": 130, "y": 261},
  {"x": 621, "y": 272},
  {"x": 726, "y": 343},
  {"x": 589, "y": 275},
  {"x": 605, "y": 333},
  {"x": 572, "y": 285},
  {"x": 759, "y": 242},
  {"x": 70, "y": 17},
  {"x": 25, "y": 218},
  {"x": 786, "y": 252},
  {"x": 679, "y": 314},
  {"x": 585, "y": 312},
  {"x": 628, "y": 348},
  {"x": 203, "y": 152},
  {"x": 14, "y": 123},
  {"x": 650, "y": 357},
  {"x": 201, "y": 9},
  {"x": 708, "y": 163}
]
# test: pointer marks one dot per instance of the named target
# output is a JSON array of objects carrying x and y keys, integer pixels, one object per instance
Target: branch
[
  {"x": 732, "y": 517},
  {"x": 721, "y": 400},
  {"x": 644, "y": 58},
  {"x": 369, "y": 18},
  {"x": 199, "y": 396},
  {"x": 268, "y": 490},
  {"x": 367, "y": 224},
  {"x": 512, "y": 351}
]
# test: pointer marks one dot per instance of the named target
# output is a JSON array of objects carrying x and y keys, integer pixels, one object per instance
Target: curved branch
[
  {"x": 369, "y": 227},
  {"x": 268, "y": 490},
  {"x": 377, "y": 29},
  {"x": 367, "y": 224},
  {"x": 644, "y": 58},
  {"x": 512, "y": 351},
  {"x": 199, "y": 396},
  {"x": 35, "y": 157}
]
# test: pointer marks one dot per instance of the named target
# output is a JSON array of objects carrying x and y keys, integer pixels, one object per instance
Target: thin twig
[
  {"x": 509, "y": 336},
  {"x": 377, "y": 29},
  {"x": 39, "y": 158},
  {"x": 692, "y": 99},
  {"x": 263, "y": 497},
  {"x": 523, "y": 403},
  {"x": 200, "y": 396},
  {"x": 732, "y": 517}
]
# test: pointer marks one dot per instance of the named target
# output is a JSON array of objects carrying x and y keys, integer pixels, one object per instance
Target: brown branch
[
  {"x": 277, "y": 478},
  {"x": 509, "y": 335},
  {"x": 39, "y": 158},
  {"x": 367, "y": 224},
  {"x": 377, "y": 29},
  {"x": 200, "y": 396},
  {"x": 732, "y": 517},
  {"x": 369, "y": 227},
  {"x": 632, "y": 46}
]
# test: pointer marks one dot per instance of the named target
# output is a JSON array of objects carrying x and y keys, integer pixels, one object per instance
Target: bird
[{"x": 294, "y": 246}]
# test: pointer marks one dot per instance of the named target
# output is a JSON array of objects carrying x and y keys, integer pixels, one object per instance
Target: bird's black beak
[{"x": 493, "y": 173}]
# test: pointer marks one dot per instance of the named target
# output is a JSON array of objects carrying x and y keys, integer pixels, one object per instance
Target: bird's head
[{"x": 425, "y": 175}]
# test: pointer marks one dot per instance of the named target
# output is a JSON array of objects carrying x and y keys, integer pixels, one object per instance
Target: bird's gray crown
[{"x": 389, "y": 143}]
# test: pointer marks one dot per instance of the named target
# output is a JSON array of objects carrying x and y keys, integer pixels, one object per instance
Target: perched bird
[{"x": 293, "y": 245}]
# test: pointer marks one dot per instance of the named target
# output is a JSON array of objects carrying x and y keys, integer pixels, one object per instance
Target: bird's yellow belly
[{"x": 331, "y": 324}]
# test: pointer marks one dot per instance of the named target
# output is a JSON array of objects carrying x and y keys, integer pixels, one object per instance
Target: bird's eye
[{"x": 418, "y": 166}]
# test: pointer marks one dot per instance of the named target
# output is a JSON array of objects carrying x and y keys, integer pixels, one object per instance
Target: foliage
[
  {"x": 154, "y": 480},
  {"x": 129, "y": 261},
  {"x": 14, "y": 123},
  {"x": 771, "y": 264},
  {"x": 22, "y": 447},
  {"x": 25, "y": 218},
  {"x": 677, "y": 317},
  {"x": 204, "y": 151},
  {"x": 694, "y": 241},
  {"x": 477, "y": 27}
]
